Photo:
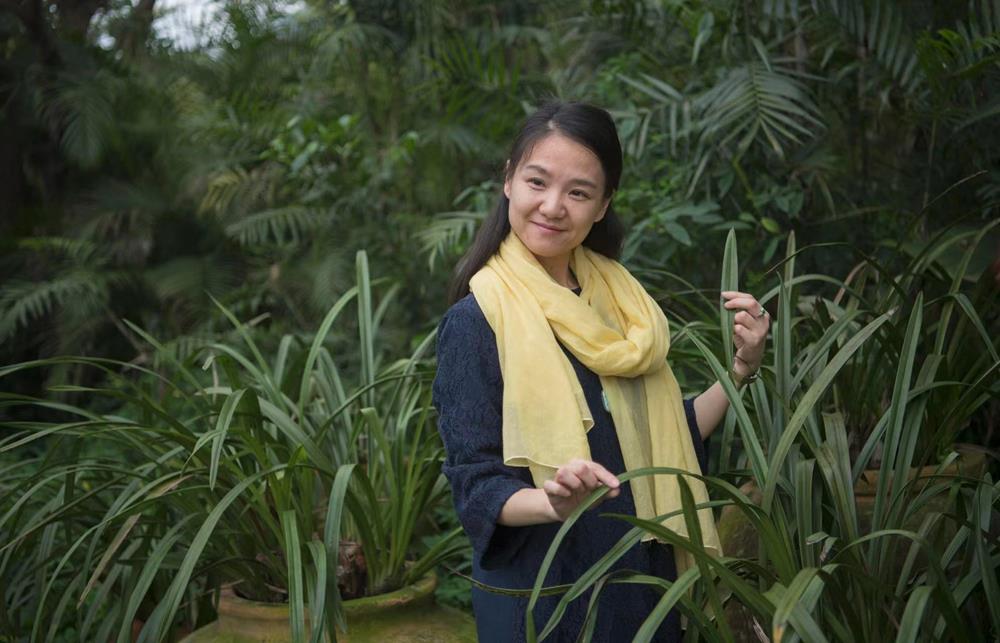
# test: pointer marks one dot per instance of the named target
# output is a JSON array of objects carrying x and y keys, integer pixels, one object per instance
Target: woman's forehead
[{"x": 556, "y": 154}]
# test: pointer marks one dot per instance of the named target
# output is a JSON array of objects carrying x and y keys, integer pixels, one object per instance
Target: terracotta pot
[{"x": 408, "y": 615}]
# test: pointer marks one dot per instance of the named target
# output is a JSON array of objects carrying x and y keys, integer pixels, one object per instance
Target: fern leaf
[
  {"x": 752, "y": 103},
  {"x": 24, "y": 302},
  {"x": 448, "y": 232},
  {"x": 277, "y": 225}
]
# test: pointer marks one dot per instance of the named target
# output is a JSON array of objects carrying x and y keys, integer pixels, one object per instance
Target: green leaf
[
  {"x": 770, "y": 225},
  {"x": 293, "y": 555}
]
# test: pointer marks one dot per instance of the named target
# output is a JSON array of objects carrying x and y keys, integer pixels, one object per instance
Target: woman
[{"x": 552, "y": 377}]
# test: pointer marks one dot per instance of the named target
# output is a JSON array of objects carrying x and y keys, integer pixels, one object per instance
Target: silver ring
[{"x": 762, "y": 312}]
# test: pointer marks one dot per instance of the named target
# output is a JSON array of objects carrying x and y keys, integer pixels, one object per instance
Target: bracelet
[{"x": 740, "y": 380}]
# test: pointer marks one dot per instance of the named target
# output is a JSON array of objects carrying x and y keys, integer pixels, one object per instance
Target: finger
[
  {"x": 553, "y": 488},
  {"x": 750, "y": 334},
  {"x": 729, "y": 294},
  {"x": 586, "y": 475},
  {"x": 568, "y": 479},
  {"x": 744, "y": 303},
  {"x": 604, "y": 476}
]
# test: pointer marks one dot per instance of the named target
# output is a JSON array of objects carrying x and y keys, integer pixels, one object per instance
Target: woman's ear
[{"x": 506, "y": 179}]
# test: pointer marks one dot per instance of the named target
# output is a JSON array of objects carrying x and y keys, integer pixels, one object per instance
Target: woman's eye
[
  {"x": 580, "y": 194},
  {"x": 535, "y": 181}
]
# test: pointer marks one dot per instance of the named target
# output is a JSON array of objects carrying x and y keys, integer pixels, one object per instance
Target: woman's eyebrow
[{"x": 577, "y": 181}]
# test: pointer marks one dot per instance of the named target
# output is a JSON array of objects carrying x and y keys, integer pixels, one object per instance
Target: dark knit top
[{"x": 468, "y": 394}]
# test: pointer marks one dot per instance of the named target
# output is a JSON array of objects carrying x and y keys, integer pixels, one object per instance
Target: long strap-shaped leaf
[
  {"x": 167, "y": 607},
  {"x": 331, "y": 540},
  {"x": 808, "y": 401}
]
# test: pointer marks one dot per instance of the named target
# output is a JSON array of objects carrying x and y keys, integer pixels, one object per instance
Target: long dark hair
[{"x": 586, "y": 124}]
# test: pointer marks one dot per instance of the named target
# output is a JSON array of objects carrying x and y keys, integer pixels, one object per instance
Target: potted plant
[
  {"x": 925, "y": 566},
  {"x": 266, "y": 480},
  {"x": 907, "y": 369}
]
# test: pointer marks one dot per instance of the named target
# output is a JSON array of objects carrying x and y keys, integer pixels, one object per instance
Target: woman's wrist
[
  {"x": 743, "y": 368},
  {"x": 528, "y": 506}
]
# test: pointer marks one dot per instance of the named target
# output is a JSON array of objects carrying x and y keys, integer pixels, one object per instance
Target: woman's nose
[{"x": 551, "y": 205}]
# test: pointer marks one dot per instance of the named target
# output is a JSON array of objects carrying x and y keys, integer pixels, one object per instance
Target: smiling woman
[
  {"x": 556, "y": 196},
  {"x": 553, "y": 377}
]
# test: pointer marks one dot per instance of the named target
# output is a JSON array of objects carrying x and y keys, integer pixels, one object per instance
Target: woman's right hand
[{"x": 573, "y": 482}]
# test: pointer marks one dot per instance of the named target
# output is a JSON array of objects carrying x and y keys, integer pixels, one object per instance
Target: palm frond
[
  {"x": 80, "y": 251},
  {"x": 880, "y": 29},
  {"x": 181, "y": 348},
  {"x": 237, "y": 189},
  {"x": 24, "y": 302},
  {"x": 448, "y": 232},
  {"x": 288, "y": 224},
  {"x": 191, "y": 277},
  {"x": 81, "y": 108},
  {"x": 753, "y": 103}
]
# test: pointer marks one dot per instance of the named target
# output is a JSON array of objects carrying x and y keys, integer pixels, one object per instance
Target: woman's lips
[{"x": 547, "y": 228}]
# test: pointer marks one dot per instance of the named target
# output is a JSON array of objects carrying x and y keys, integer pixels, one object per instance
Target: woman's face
[{"x": 556, "y": 194}]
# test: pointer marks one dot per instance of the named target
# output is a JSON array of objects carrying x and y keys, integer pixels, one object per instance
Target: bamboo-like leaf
[
  {"x": 122, "y": 534},
  {"x": 758, "y": 462},
  {"x": 730, "y": 282},
  {"x": 317, "y": 609},
  {"x": 808, "y": 402},
  {"x": 693, "y": 524},
  {"x": 293, "y": 556},
  {"x": 790, "y": 607},
  {"x": 221, "y": 429},
  {"x": 366, "y": 328},
  {"x": 149, "y": 570},
  {"x": 331, "y": 540},
  {"x": 317, "y": 344},
  {"x": 666, "y": 603},
  {"x": 983, "y": 502},
  {"x": 296, "y": 435},
  {"x": 783, "y": 376},
  {"x": 909, "y": 625},
  {"x": 168, "y": 605},
  {"x": 895, "y": 464}
]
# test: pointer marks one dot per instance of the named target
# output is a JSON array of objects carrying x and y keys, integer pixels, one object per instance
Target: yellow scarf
[{"x": 616, "y": 330}]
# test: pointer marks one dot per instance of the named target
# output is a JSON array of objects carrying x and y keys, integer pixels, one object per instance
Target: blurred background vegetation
[
  {"x": 252, "y": 163},
  {"x": 144, "y": 175}
]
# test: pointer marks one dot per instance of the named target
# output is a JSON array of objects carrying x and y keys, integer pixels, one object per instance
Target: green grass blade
[
  {"x": 221, "y": 429},
  {"x": 755, "y": 451},
  {"x": 331, "y": 540},
  {"x": 150, "y": 568},
  {"x": 317, "y": 609},
  {"x": 366, "y": 326},
  {"x": 317, "y": 345},
  {"x": 168, "y": 605},
  {"x": 666, "y": 603},
  {"x": 293, "y": 555},
  {"x": 909, "y": 624},
  {"x": 729, "y": 281},
  {"x": 809, "y": 401}
]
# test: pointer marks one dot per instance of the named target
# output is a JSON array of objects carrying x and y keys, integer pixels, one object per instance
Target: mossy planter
[{"x": 408, "y": 615}]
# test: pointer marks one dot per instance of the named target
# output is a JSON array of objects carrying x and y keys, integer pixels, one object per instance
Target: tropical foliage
[
  {"x": 806, "y": 556},
  {"x": 181, "y": 221},
  {"x": 247, "y": 466}
]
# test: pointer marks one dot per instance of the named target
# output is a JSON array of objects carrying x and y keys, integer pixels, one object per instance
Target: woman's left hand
[{"x": 750, "y": 326}]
